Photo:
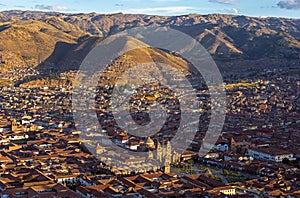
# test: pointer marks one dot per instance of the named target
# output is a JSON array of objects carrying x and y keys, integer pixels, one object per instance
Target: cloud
[
  {"x": 119, "y": 5},
  {"x": 19, "y": 6},
  {"x": 289, "y": 4},
  {"x": 231, "y": 10},
  {"x": 235, "y": 10},
  {"x": 224, "y": 1},
  {"x": 164, "y": 10},
  {"x": 52, "y": 8},
  {"x": 1, "y": 4}
]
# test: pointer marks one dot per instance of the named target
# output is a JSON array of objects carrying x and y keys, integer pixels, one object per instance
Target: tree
[{"x": 286, "y": 161}]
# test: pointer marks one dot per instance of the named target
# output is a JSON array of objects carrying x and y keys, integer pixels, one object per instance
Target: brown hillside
[{"x": 30, "y": 42}]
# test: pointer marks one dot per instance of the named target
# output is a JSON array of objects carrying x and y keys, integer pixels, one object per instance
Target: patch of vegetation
[
  {"x": 295, "y": 163},
  {"x": 214, "y": 177},
  {"x": 182, "y": 170},
  {"x": 236, "y": 179},
  {"x": 185, "y": 167},
  {"x": 228, "y": 173},
  {"x": 203, "y": 168}
]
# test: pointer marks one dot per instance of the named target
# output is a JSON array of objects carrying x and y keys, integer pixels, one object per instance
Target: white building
[
  {"x": 222, "y": 146},
  {"x": 270, "y": 154}
]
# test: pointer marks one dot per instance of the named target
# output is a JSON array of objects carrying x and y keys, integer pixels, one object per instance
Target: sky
[{"x": 258, "y": 8}]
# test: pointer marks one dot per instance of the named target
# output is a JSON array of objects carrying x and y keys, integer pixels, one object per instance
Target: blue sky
[{"x": 260, "y": 8}]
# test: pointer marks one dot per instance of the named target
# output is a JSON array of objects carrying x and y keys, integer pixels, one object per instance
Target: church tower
[
  {"x": 168, "y": 157},
  {"x": 167, "y": 169},
  {"x": 150, "y": 155},
  {"x": 168, "y": 153},
  {"x": 14, "y": 125},
  {"x": 159, "y": 152}
]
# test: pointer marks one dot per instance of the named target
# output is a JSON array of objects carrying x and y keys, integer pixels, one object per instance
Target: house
[{"x": 220, "y": 144}]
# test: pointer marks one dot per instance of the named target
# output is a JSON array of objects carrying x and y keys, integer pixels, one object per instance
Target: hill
[{"x": 27, "y": 43}]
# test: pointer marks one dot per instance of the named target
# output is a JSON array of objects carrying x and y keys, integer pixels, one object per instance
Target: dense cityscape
[
  {"x": 62, "y": 138},
  {"x": 257, "y": 154}
]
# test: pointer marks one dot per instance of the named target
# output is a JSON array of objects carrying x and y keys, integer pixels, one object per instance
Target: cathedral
[{"x": 164, "y": 155}]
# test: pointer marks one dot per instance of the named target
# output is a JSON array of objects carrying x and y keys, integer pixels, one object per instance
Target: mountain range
[{"x": 59, "y": 42}]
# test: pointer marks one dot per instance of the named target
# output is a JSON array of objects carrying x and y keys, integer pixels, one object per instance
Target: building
[
  {"x": 270, "y": 154},
  {"x": 150, "y": 143},
  {"x": 226, "y": 190}
]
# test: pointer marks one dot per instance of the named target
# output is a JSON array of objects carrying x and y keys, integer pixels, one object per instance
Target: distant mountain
[
  {"x": 29, "y": 42},
  {"x": 62, "y": 40}
]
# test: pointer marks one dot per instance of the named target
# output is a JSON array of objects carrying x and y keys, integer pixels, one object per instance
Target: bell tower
[
  {"x": 14, "y": 125},
  {"x": 159, "y": 152}
]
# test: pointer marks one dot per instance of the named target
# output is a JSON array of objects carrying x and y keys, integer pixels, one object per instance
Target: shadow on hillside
[
  {"x": 48, "y": 66},
  {"x": 66, "y": 57},
  {"x": 4, "y": 27}
]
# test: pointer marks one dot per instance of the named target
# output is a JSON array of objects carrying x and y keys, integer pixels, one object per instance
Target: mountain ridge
[{"x": 61, "y": 41}]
